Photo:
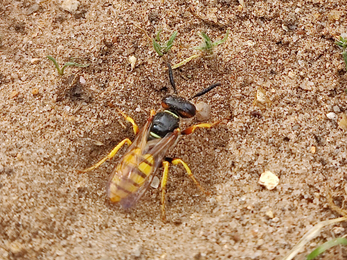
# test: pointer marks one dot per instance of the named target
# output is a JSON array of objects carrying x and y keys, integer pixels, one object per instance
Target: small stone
[
  {"x": 155, "y": 182},
  {"x": 203, "y": 111},
  {"x": 17, "y": 248},
  {"x": 35, "y": 61},
  {"x": 137, "y": 251},
  {"x": 332, "y": 116},
  {"x": 250, "y": 43},
  {"x": 34, "y": 91},
  {"x": 296, "y": 127},
  {"x": 14, "y": 94},
  {"x": 291, "y": 74},
  {"x": 32, "y": 9},
  {"x": 269, "y": 213},
  {"x": 313, "y": 149},
  {"x": 82, "y": 80},
  {"x": 336, "y": 109},
  {"x": 132, "y": 61},
  {"x": 261, "y": 96},
  {"x": 269, "y": 180},
  {"x": 307, "y": 85},
  {"x": 70, "y": 5},
  {"x": 334, "y": 15}
]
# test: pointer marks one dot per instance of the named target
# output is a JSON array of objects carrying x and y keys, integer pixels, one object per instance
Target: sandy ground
[{"x": 51, "y": 126}]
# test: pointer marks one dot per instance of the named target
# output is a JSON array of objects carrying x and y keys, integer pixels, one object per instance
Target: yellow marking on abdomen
[
  {"x": 147, "y": 165},
  {"x": 120, "y": 187}
]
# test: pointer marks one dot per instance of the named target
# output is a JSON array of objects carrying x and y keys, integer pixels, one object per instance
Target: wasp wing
[
  {"x": 137, "y": 167},
  {"x": 157, "y": 152}
]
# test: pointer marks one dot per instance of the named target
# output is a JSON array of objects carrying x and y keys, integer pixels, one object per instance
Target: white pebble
[
  {"x": 336, "y": 109},
  {"x": 203, "y": 111},
  {"x": 34, "y": 60},
  {"x": 155, "y": 182},
  {"x": 332, "y": 116},
  {"x": 82, "y": 80},
  {"x": 132, "y": 60},
  {"x": 70, "y": 5},
  {"x": 269, "y": 180}
]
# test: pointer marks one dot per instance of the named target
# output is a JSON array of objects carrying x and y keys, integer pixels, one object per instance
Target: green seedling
[
  {"x": 342, "y": 43},
  {"x": 207, "y": 44},
  {"x": 322, "y": 248},
  {"x": 206, "y": 48},
  {"x": 67, "y": 64},
  {"x": 311, "y": 234},
  {"x": 162, "y": 49}
]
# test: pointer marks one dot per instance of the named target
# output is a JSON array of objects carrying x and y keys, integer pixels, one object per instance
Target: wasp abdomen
[{"x": 129, "y": 175}]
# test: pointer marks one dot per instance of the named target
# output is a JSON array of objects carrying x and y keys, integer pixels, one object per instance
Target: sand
[{"x": 51, "y": 126}]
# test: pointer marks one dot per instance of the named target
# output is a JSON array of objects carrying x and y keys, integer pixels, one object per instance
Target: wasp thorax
[{"x": 179, "y": 105}]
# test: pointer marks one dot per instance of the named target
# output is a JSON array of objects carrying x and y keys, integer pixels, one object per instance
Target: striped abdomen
[{"x": 130, "y": 174}]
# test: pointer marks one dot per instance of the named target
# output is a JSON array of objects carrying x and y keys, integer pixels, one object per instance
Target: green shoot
[
  {"x": 311, "y": 234},
  {"x": 206, "y": 47},
  {"x": 207, "y": 44},
  {"x": 162, "y": 49},
  {"x": 67, "y": 64},
  {"x": 342, "y": 43},
  {"x": 322, "y": 248}
]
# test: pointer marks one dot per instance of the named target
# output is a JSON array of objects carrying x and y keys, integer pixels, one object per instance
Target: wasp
[{"x": 137, "y": 167}]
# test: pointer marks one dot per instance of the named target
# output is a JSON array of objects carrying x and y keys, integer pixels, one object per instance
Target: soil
[{"x": 51, "y": 126}]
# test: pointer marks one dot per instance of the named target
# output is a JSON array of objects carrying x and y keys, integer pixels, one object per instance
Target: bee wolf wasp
[{"x": 136, "y": 169}]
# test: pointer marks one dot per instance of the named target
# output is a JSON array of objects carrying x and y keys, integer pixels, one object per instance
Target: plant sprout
[
  {"x": 206, "y": 48},
  {"x": 207, "y": 44},
  {"x": 162, "y": 49},
  {"x": 67, "y": 64},
  {"x": 322, "y": 248},
  {"x": 342, "y": 43}
]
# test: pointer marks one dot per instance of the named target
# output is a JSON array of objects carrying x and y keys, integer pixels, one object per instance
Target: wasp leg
[
  {"x": 163, "y": 189},
  {"x": 191, "y": 129},
  {"x": 190, "y": 174},
  {"x": 164, "y": 181},
  {"x": 130, "y": 120},
  {"x": 109, "y": 156}
]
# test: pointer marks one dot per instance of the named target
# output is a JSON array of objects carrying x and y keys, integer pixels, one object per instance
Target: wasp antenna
[
  {"x": 172, "y": 81},
  {"x": 202, "y": 92}
]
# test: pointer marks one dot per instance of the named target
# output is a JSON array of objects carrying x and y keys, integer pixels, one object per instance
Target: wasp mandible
[{"x": 137, "y": 167}]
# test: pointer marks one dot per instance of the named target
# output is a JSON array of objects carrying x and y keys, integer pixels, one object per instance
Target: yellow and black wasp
[{"x": 136, "y": 169}]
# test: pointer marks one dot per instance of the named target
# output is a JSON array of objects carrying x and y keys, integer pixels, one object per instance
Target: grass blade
[
  {"x": 322, "y": 248},
  {"x": 170, "y": 41},
  {"x": 222, "y": 40},
  {"x": 157, "y": 47},
  {"x": 56, "y": 64}
]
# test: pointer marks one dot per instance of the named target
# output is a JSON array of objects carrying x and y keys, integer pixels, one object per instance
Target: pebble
[
  {"x": 332, "y": 116},
  {"x": 269, "y": 180},
  {"x": 269, "y": 213},
  {"x": 291, "y": 74},
  {"x": 137, "y": 251},
  {"x": 261, "y": 96},
  {"x": 203, "y": 111},
  {"x": 336, "y": 109},
  {"x": 32, "y": 9},
  {"x": 82, "y": 80},
  {"x": 14, "y": 94},
  {"x": 34, "y": 91},
  {"x": 70, "y": 5},
  {"x": 34, "y": 60},
  {"x": 132, "y": 61},
  {"x": 155, "y": 182}
]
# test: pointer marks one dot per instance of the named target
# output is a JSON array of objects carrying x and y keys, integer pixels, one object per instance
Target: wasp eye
[{"x": 179, "y": 105}]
